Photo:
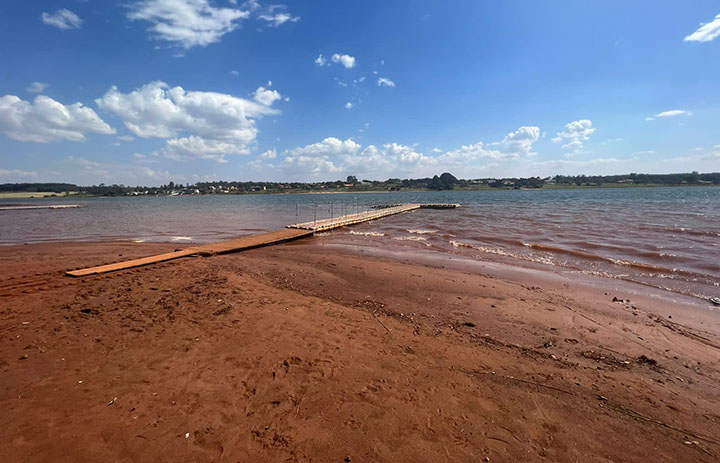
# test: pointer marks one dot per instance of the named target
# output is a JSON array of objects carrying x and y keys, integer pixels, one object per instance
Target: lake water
[{"x": 662, "y": 237}]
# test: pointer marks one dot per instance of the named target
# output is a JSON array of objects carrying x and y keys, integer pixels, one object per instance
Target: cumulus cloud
[
  {"x": 334, "y": 157},
  {"x": 317, "y": 158},
  {"x": 265, "y": 96},
  {"x": 37, "y": 87},
  {"x": 706, "y": 32},
  {"x": 385, "y": 82},
  {"x": 346, "y": 60},
  {"x": 519, "y": 142},
  {"x": 45, "y": 120},
  {"x": 197, "y": 124},
  {"x": 187, "y": 23},
  {"x": 269, "y": 154},
  {"x": 62, "y": 19},
  {"x": 469, "y": 153},
  {"x": 575, "y": 133},
  {"x": 348, "y": 105},
  {"x": 330, "y": 146},
  {"x": 671, "y": 113}
]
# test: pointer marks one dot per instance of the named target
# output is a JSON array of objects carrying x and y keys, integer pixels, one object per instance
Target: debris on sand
[{"x": 647, "y": 360}]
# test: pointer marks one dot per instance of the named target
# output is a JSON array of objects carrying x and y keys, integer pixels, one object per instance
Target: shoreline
[
  {"x": 307, "y": 351},
  {"x": 50, "y": 195}
]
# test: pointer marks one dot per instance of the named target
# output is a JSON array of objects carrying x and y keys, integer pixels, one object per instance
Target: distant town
[{"x": 446, "y": 181}]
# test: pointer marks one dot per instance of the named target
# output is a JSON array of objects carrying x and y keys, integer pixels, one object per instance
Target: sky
[{"x": 143, "y": 92}]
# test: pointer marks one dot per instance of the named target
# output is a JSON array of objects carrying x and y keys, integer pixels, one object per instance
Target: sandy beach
[{"x": 301, "y": 353}]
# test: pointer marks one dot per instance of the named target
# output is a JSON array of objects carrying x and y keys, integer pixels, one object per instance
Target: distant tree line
[
  {"x": 445, "y": 181},
  {"x": 693, "y": 178},
  {"x": 36, "y": 187}
]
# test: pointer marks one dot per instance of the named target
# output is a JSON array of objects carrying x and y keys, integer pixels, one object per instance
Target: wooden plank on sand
[{"x": 238, "y": 244}]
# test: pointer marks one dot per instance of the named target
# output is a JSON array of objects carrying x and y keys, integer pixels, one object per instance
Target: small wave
[
  {"x": 410, "y": 238},
  {"x": 422, "y": 232},
  {"x": 139, "y": 240},
  {"x": 181, "y": 238},
  {"x": 369, "y": 233},
  {"x": 688, "y": 231}
]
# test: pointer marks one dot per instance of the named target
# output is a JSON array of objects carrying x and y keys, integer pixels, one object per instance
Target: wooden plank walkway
[
  {"x": 223, "y": 247},
  {"x": 291, "y": 232},
  {"x": 50, "y": 206},
  {"x": 351, "y": 219}
]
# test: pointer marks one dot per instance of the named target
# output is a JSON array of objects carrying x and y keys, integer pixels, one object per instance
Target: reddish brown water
[{"x": 662, "y": 237}]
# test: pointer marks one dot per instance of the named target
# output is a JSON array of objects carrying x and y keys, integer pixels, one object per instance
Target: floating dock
[
  {"x": 50, "y": 206},
  {"x": 291, "y": 232}
]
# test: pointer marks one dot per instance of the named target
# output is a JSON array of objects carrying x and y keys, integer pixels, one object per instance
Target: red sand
[{"x": 292, "y": 353}]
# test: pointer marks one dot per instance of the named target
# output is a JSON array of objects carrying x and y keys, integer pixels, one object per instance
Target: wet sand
[{"x": 303, "y": 352}]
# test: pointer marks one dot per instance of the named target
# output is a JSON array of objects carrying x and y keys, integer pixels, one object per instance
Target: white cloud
[
  {"x": 265, "y": 96},
  {"x": 520, "y": 141},
  {"x": 321, "y": 60},
  {"x": 384, "y": 82},
  {"x": 234, "y": 73},
  {"x": 706, "y": 32},
  {"x": 346, "y": 60},
  {"x": 62, "y": 19},
  {"x": 330, "y": 146},
  {"x": 187, "y": 23},
  {"x": 278, "y": 19},
  {"x": 126, "y": 138},
  {"x": 576, "y": 132},
  {"x": 335, "y": 158},
  {"x": 204, "y": 125},
  {"x": 470, "y": 153},
  {"x": 37, "y": 87},
  {"x": 269, "y": 154},
  {"x": 402, "y": 153},
  {"x": 45, "y": 120},
  {"x": 318, "y": 158},
  {"x": 348, "y": 105},
  {"x": 671, "y": 113}
]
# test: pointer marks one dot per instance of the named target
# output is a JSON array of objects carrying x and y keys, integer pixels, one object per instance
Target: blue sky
[{"x": 144, "y": 92}]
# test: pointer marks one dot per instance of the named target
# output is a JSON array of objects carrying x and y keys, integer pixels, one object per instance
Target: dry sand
[{"x": 295, "y": 353}]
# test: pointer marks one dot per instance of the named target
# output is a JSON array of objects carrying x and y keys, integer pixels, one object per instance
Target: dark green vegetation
[
  {"x": 445, "y": 181},
  {"x": 37, "y": 187}
]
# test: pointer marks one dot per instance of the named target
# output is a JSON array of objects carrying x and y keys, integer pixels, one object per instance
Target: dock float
[
  {"x": 50, "y": 206},
  {"x": 291, "y": 232}
]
